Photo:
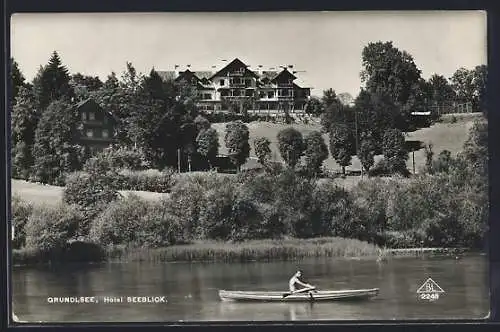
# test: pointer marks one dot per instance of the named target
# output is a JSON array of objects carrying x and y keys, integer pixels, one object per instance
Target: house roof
[
  {"x": 92, "y": 101},
  {"x": 268, "y": 74},
  {"x": 284, "y": 75},
  {"x": 236, "y": 63}
]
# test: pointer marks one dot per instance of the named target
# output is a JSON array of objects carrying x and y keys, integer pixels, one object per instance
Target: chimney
[{"x": 176, "y": 71}]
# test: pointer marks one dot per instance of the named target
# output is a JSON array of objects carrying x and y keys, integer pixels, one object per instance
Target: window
[
  {"x": 105, "y": 119},
  {"x": 90, "y": 133},
  {"x": 261, "y": 94},
  {"x": 270, "y": 94},
  {"x": 105, "y": 133},
  {"x": 84, "y": 116},
  {"x": 207, "y": 96},
  {"x": 221, "y": 82},
  {"x": 91, "y": 116}
]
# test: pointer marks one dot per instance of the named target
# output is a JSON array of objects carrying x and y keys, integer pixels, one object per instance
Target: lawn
[
  {"x": 444, "y": 135},
  {"x": 38, "y": 194}
]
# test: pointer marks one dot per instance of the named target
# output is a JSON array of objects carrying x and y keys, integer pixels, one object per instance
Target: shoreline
[{"x": 248, "y": 251}]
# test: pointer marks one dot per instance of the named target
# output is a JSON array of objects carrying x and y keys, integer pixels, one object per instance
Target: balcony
[{"x": 237, "y": 85}]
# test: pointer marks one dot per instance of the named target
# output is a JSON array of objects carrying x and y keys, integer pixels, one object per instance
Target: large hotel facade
[{"x": 235, "y": 86}]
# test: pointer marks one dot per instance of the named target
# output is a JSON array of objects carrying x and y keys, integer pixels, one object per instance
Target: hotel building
[{"x": 236, "y": 86}]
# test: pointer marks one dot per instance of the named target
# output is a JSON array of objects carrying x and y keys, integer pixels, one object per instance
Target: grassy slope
[
  {"x": 443, "y": 135},
  {"x": 52, "y": 195}
]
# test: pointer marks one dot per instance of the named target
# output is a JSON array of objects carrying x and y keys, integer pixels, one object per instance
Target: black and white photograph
[{"x": 249, "y": 166}]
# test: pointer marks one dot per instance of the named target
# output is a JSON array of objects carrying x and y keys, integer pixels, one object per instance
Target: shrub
[
  {"x": 381, "y": 168},
  {"x": 49, "y": 229},
  {"x": 20, "y": 212},
  {"x": 148, "y": 180},
  {"x": 443, "y": 163},
  {"x": 331, "y": 206},
  {"x": 120, "y": 222},
  {"x": 159, "y": 228},
  {"x": 121, "y": 157},
  {"x": 216, "y": 217}
]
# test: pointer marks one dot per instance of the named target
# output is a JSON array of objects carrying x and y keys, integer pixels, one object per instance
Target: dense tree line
[{"x": 159, "y": 118}]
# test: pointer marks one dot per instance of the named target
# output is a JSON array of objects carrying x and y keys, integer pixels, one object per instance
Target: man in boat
[{"x": 295, "y": 280}]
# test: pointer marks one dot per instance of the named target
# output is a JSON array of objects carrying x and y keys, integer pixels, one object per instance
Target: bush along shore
[{"x": 272, "y": 213}]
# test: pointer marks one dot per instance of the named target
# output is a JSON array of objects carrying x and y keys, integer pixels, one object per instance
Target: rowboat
[{"x": 310, "y": 295}]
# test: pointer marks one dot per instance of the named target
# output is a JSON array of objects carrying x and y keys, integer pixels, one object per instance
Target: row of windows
[
  {"x": 92, "y": 133},
  {"x": 91, "y": 116}
]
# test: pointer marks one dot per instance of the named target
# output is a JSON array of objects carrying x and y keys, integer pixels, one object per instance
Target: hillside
[{"x": 443, "y": 135}]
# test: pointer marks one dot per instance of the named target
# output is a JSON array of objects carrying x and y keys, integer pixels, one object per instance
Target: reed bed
[{"x": 254, "y": 250}]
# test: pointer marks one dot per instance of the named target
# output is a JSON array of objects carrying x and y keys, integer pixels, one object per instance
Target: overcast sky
[{"x": 326, "y": 45}]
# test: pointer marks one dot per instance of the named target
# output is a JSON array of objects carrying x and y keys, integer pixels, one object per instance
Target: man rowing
[{"x": 295, "y": 280}]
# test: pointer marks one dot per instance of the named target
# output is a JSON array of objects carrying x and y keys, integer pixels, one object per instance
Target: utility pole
[
  {"x": 413, "y": 160},
  {"x": 179, "y": 160}
]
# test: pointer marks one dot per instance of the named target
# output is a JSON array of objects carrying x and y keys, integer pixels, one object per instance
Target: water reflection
[{"x": 192, "y": 290}]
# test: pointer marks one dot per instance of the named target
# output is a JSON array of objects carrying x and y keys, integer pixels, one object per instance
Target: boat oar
[{"x": 299, "y": 291}]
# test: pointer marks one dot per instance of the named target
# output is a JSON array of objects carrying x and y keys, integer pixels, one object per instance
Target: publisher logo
[{"x": 429, "y": 291}]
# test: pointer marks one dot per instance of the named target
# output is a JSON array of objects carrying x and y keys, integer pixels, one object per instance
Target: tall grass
[{"x": 254, "y": 250}]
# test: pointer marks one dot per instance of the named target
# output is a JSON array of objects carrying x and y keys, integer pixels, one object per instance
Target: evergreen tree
[
  {"x": 17, "y": 80},
  {"x": 24, "y": 122},
  {"x": 52, "y": 83},
  {"x": 55, "y": 152}
]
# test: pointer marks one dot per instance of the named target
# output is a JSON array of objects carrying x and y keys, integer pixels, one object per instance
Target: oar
[{"x": 299, "y": 291}]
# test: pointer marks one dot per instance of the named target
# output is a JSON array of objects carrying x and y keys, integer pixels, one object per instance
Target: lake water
[{"x": 191, "y": 290}]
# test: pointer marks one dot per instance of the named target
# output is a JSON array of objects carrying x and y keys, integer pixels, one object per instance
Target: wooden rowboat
[{"x": 321, "y": 295}]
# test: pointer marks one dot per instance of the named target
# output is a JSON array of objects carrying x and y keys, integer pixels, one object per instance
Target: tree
[
  {"x": 366, "y": 152},
  {"x": 52, "y": 82},
  {"x": 376, "y": 113},
  {"x": 208, "y": 144},
  {"x": 314, "y": 106},
  {"x": 84, "y": 85},
  {"x": 236, "y": 140},
  {"x": 17, "y": 80},
  {"x": 395, "y": 153},
  {"x": 475, "y": 148},
  {"x": 340, "y": 144},
  {"x": 470, "y": 86},
  {"x": 291, "y": 146},
  {"x": 316, "y": 152},
  {"x": 389, "y": 71},
  {"x": 480, "y": 75},
  {"x": 55, "y": 152},
  {"x": 345, "y": 98},
  {"x": 24, "y": 123},
  {"x": 336, "y": 113},
  {"x": 440, "y": 90},
  {"x": 329, "y": 98},
  {"x": 262, "y": 150}
]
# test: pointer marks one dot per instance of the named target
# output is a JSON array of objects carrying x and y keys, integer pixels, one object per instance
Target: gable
[
  {"x": 234, "y": 66},
  {"x": 284, "y": 76}
]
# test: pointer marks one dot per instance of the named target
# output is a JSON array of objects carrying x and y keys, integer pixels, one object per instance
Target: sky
[{"x": 324, "y": 47}]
